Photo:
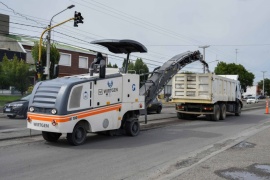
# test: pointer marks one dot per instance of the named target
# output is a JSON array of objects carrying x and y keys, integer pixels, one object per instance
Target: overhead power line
[{"x": 15, "y": 12}]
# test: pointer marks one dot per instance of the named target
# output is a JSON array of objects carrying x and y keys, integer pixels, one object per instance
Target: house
[{"x": 252, "y": 90}]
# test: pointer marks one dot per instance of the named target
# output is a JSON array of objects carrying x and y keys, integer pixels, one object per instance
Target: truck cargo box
[{"x": 204, "y": 88}]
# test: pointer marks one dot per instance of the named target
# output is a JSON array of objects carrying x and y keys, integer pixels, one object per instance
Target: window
[
  {"x": 83, "y": 62},
  {"x": 29, "y": 58},
  {"x": 65, "y": 59}
]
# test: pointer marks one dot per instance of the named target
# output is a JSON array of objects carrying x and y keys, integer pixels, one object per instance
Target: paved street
[{"x": 167, "y": 152}]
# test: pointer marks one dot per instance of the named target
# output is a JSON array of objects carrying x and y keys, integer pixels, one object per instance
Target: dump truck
[{"x": 206, "y": 94}]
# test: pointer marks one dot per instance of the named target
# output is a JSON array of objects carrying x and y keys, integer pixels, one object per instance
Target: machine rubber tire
[
  {"x": 51, "y": 136},
  {"x": 78, "y": 136},
  {"x": 216, "y": 115},
  {"x": 238, "y": 112},
  {"x": 159, "y": 110},
  {"x": 11, "y": 116},
  {"x": 222, "y": 112},
  {"x": 132, "y": 127}
]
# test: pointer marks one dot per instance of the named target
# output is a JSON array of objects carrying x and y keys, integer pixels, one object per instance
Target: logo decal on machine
[
  {"x": 41, "y": 125},
  {"x": 110, "y": 83},
  {"x": 133, "y": 87},
  {"x": 100, "y": 92}
]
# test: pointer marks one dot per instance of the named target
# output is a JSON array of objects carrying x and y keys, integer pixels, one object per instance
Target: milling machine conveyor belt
[{"x": 162, "y": 75}]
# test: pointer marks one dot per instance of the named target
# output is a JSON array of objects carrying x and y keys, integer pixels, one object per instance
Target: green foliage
[
  {"x": 30, "y": 89},
  {"x": 5, "y": 99},
  {"x": 16, "y": 73},
  {"x": 54, "y": 56},
  {"x": 266, "y": 86},
  {"x": 131, "y": 68},
  {"x": 109, "y": 65},
  {"x": 3, "y": 80},
  {"x": 246, "y": 78},
  {"x": 139, "y": 67},
  {"x": 112, "y": 66}
]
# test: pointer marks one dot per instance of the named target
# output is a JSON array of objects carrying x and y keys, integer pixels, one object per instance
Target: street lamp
[
  {"x": 49, "y": 42},
  {"x": 206, "y": 46}
]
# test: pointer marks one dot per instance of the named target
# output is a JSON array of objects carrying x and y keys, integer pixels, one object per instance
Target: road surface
[{"x": 155, "y": 153}]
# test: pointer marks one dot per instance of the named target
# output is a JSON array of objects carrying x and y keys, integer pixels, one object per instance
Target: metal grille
[{"x": 46, "y": 94}]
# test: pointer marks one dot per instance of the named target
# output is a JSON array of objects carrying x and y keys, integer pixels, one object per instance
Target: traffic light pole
[{"x": 40, "y": 42}]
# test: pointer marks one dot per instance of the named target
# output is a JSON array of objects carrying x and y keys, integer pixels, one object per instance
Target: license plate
[{"x": 8, "y": 109}]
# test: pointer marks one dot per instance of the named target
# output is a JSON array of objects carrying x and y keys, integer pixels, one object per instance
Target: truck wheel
[
  {"x": 159, "y": 110},
  {"x": 78, "y": 136},
  {"x": 132, "y": 127},
  {"x": 51, "y": 136},
  {"x": 238, "y": 110},
  {"x": 222, "y": 112},
  {"x": 216, "y": 115}
]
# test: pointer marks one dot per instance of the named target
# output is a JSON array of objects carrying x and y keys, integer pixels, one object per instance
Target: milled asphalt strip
[{"x": 173, "y": 172}]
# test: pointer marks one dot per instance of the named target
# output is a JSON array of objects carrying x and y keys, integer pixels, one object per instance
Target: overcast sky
[{"x": 166, "y": 28}]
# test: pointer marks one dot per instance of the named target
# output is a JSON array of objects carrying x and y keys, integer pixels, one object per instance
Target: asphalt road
[{"x": 155, "y": 153}]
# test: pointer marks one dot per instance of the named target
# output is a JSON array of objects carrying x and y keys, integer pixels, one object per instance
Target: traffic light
[
  {"x": 41, "y": 69},
  {"x": 77, "y": 18},
  {"x": 37, "y": 67},
  {"x": 80, "y": 18}
]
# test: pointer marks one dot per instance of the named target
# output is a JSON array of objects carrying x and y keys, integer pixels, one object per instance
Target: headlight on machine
[
  {"x": 31, "y": 109},
  {"x": 54, "y": 111}
]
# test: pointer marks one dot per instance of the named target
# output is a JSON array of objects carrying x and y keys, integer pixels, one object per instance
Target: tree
[
  {"x": 266, "y": 86},
  {"x": 16, "y": 73},
  {"x": 109, "y": 65},
  {"x": 246, "y": 78},
  {"x": 3, "y": 80},
  {"x": 115, "y": 66},
  {"x": 54, "y": 56},
  {"x": 139, "y": 67}
]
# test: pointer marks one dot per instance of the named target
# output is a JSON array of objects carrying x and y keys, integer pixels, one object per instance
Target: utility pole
[
  {"x": 206, "y": 46},
  {"x": 263, "y": 81},
  {"x": 236, "y": 55},
  {"x": 48, "y": 50}
]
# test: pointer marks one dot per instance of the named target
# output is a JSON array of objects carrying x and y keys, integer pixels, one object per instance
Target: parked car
[
  {"x": 261, "y": 97},
  {"x": 155, "y": 105},
  {"x": 17, "y": 108},
  {"x": 252, "y": 99}
]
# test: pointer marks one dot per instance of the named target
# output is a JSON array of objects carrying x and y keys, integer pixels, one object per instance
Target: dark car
[
  {"x": 261, "y": 97},
  {"x": 155, "y": 105},
  {"x": 17, "y": 108}
]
